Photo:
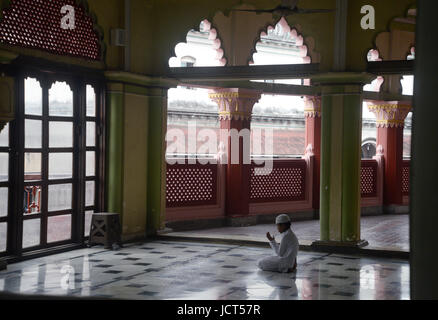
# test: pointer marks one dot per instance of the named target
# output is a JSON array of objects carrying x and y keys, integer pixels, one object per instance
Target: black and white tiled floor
[{"x": 197, "y": 271}]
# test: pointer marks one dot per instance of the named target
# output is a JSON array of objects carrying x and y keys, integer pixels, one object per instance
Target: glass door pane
[
  {"x": 4, "y": 166},
  {"x": 4, "y": 201},
  {"x": 61, "y": 163},
  {"x": 31, "y": 233},
  {"x": 4, "y": 188},
  {"x": 32, "y": 200},
  {"x": 91, "y": 163},
  {"x": 33, "y": 161},
  {"x": 3, "y": 236},
  {"x": 4, "y": 136},
  {"x": 60, "y": 100},
  {"x": 59, "y": 228},
  {"x": 59, "y": 132},
  {"x": 33, "y": 97}
]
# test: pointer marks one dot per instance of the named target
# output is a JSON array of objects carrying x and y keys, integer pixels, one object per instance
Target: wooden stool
[{"x": 105, "y": 229}]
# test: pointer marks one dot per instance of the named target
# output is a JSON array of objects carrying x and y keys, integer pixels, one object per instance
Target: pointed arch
[{"x": 202, "y": 48}]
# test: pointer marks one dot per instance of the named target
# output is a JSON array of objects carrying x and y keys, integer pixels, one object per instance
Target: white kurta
[{"x": 285, "y": 254}]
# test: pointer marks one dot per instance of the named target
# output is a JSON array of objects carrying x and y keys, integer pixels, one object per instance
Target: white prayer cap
[{"x": 283, "y": 218}]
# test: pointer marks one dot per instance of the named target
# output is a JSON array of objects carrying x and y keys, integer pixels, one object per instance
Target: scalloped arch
[
  {"x": 35, "y": 28},
  {"x": 213, "y": 37},
  {"x": 376, "y": 85},
  {"x": 307, "y": 46},
  {"x": 403, "y": 32}
]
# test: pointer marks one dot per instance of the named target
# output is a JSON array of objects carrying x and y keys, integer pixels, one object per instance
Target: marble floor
[
  {"x": 196, "y": 271},
  {"x": 383, "y": 232}
]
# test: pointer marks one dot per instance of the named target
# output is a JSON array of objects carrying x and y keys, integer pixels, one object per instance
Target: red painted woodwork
[
  {"x": 198, "y": 191},
  {"x": 238, "y": 176},
  {"x": 391, "y": 139},
  {"x": 406, "y": 177},
  {"x": 36, "y": 24},
  {"x": 368, "y": 179},
  {"x": 313, "y": 137},
  {"x": 286, "y": 182},
  {"x": 191, "y": 185}
]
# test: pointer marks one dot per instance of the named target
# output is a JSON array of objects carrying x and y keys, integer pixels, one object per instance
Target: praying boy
[{"x": 285, "y": 259}]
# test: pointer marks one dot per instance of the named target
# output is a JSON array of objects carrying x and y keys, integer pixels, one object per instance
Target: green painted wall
[{"x": 135, "y": 191}]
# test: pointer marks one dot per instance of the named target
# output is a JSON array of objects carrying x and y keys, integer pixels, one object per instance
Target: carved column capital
[
  {"x": 312, "y": 107},
  {"x": 390, "y": 114},
  {"x": 235, "y": 104}
]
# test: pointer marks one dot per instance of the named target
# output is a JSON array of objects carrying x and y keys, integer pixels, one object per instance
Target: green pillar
[
  {"x": 341, "y": 158},
  {"x": 114, "y": 159},
  {"x": 157, "y": 160}
]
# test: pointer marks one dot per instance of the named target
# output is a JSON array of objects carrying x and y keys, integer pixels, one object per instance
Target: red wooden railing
[
  {"x": 286, "y": 182},
  {"x": 406, "y": 177},
  {"x": 191, "y": 185},
  {"x": 368, "y": 179},
  {"x": 199, "y": 185}
]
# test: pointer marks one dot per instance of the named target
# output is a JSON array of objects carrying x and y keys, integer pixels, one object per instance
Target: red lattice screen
[
  {"x": 368, "y": 179},
  {"x": 286, "y": 182},
  {"x": 37, "y": 24},
  {"x": 406, "y": 177},
  {"x": 191, "y": 185}
]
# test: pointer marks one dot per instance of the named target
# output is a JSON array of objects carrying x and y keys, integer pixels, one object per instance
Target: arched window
[
  {"x": 284, "y": 114},
  {"x": 201, "y": 49},
  {"x": 281, "y": 45},
  {"x": 189, "y": 106}
]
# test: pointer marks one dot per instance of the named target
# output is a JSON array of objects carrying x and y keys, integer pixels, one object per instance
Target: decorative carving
[
  {"x": 312, "y": 107},
  {"x": 235, "y": 104},
  {"x": 282, "y": 32},
  {"x": 37, "y": 25},
  {"x": 391, "y": 115},
  {"x": 380, "y": 150},
  {"x": 207, "y": 32},
  {"x": 310, "y": 151},
  {"x": 222, "y": 156}
]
